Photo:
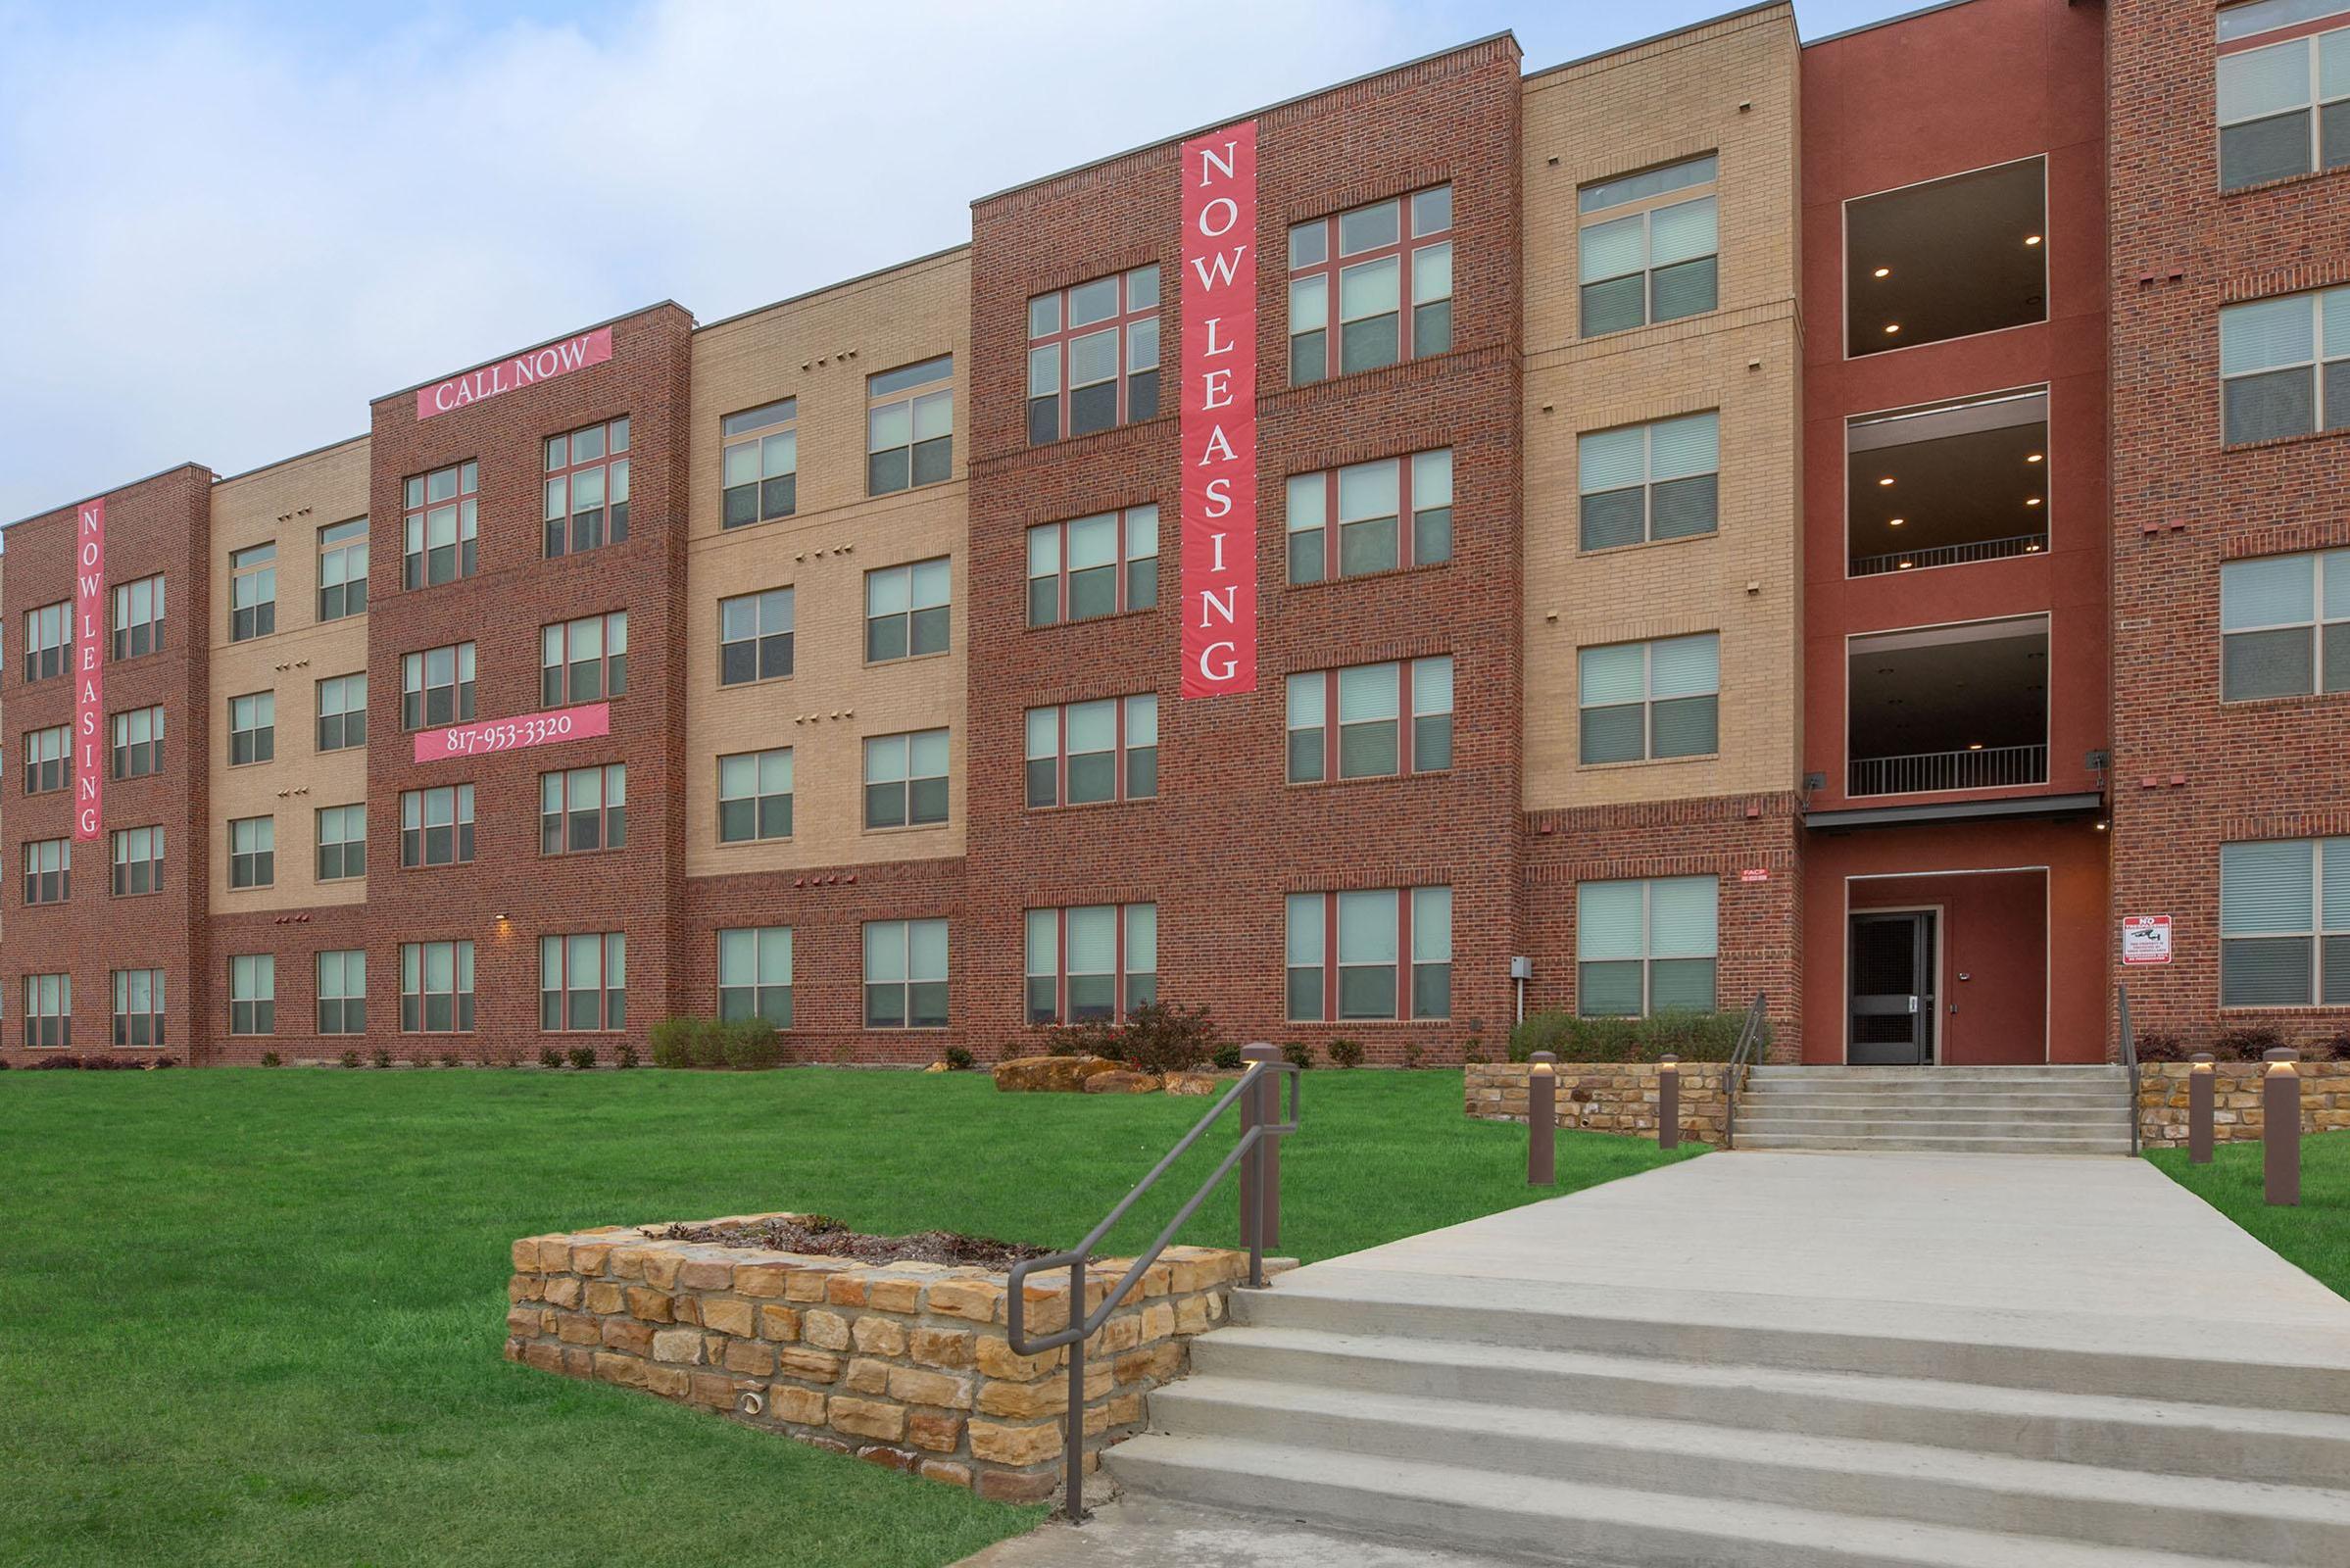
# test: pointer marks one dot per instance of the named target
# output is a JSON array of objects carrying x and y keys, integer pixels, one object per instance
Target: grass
[
  {"x": 254, "y": 1317},
  {"x": 2314, "y": 1235}
]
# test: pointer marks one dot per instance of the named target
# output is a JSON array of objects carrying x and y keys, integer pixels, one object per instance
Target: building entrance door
[{"x": 1890, "y": 976}]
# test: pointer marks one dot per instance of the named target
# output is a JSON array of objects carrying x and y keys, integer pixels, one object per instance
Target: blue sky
[{"x": 223, "y": 228}]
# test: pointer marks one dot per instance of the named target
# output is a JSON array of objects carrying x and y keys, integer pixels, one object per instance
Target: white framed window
[
  {"x": 761, "y": 475},
  {"x": 252, "y": 592},
  {"x": 583, "y": 660},
  {"x": 2284, "y": 625},
  {"x": 583, "y": 982},
  {"x": 138, "y": 618},
  {"x": 1643, "y": 702},
  {"x": 1644, "y": 947},
  {"x": 343, "y": 992},
  {"x": 436, "y": 686},
  {"x": 2284, "y": 367},
  {"x": 2284, "y": 923},
  {"x": 441, "y": 517},
  {"x": 436, "y": 988},
  {"x": 139, "y": 1009},
  {"x": 342, "y": 712},
  {"x": 342, "y": 843},
  {"x": 906, "y": 974},
  {"x": 1640, "y": 483},
  {"x": 48, "y": 640},
  {"x": 755, "y": 796},
  {"x": 342, "y": 570},
  {"x": 138, "y": 861},
  {"x": 1647, "y": 245},
  {"x": 1080, "y": 753},
  {"x": 48, "y": 1012},
  {"x": 909, "y": 425},
  {"x": 1096, "y": 962},
  {"x": 906, "y": 611},
  {"x": 1086, "y": 567},
  {"x": 587, "y": 488},
  {"x": 755, "y": 637},
  {"x": 754, "y": 974},
  {"x": 1370, "y": 516},
  {"x": 252, "y": 728},
  {"x": 1378, "y": 953},
  {"x": 139, "y": 742},
  {"x": 253, "y": 852},
  {"x": 1370, "y": 739},
  {"x": 253, "y": 994},
  {"x": 905, "y": 780},
  {"x": 2285, "y": 108}
]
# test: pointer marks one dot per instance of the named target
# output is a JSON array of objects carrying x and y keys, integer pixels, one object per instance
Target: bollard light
[
  {"x": 1541, "y": 1120},
  {"x": 1668, "y": 1101},
  {"x": 2281, "y": 1132},
  {"x": 2199, "y": 1097}
]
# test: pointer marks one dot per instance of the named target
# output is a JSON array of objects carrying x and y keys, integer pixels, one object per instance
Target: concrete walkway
[{"x": 1139, "y": 1531}]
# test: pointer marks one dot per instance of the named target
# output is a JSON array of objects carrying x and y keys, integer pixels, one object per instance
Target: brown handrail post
[
  {"x": 2281, "y": 1132},
  {"x": 1668, "y": 1101},
  {"x": 1075, "y": 1486},
  {"x": 2199, "y": 1099},
  {"x": 1261, "y": 1171},
  {"x": 1541, "y": 1120}
]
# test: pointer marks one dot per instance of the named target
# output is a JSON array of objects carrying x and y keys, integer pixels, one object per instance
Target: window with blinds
[
  {"x": 1370, "y": 516},
  {"x": 2284, "y": 108},
  {"x": 2284, "y": 367},
  {"x": 1647, "y": 483},
  {"x": 2285, "y": 626},
  {"x": 906, "y": 974},
  {"x": 754, "y": 974},
  {"x": 1084, "y": 754},
  {"x": 1646, "y": 701},
  {"x": 1369, "y": 954},
  {"x": 1647, "y": 247},
  {"x": 2284, "y": 923},
  {"x": 1371, "y": 737},
  {"x": 1096, "y": 962},
  {"x": 1645, "y": 947}
]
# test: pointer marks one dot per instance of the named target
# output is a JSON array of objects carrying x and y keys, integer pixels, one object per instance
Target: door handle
[{"x": 1913, "y": 1004}]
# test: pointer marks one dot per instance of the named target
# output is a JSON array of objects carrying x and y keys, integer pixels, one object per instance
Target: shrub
[
  {"x": 1347, "y": 1052},
  {"x": 550, "y": 1056},
  {"x": 448, "y": 1059},
  {"x": 673, "y": 1042},
  {"x": 625, "y": 1057},
  {"x": 2158, "y": 1047},
  {"x": 2245, "y": 1042},
  {"x": 2335, "y": 1048},
  {"x": 957, "y": 1060},
  {"x": 1226, "y": 1057},
  {"x": 1298, "y": 1053},
  {"x": 351, "y": 1058},
  {"x": 1472, "y": 1056},
  {"x": 383, "y": 1056},
  {"x": 749, "y": 1043},
  {"x": 1411, "y": 1053},
  {"x": 1094, "y": 1037},
  {"x": 1690, "y": 1034},
  {"x": 269, "y": 1058},
  {"x": 583, "y": 1057},
  {"x": 3, "y": 1064},
  {"x": 159, "y": 1064},
  {"x": 1162, "y": 1038},
  {"x": 60, "y": 1063}
]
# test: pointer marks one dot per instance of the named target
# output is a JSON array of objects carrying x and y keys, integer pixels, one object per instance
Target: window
[
  {"x": 2285, "y": 626},
  {"x": 1083, "y": 753},
  {"x": 1345, "y": 953},
  {"x": 343, "y": 992},
  {"x": 342, "y": 568},
  {"x": 252, "y": 592},
  {"x": 1394, "y": 513},
  {"x": 1647, "y": 245},
  {"x": 755, "y": 637},
  {"x": 584, "y": 808},
  {"x": 587, "y": 488},
  {"x": 436, "y": 686},
  {"x": 1099, "y": 962},
  {"x": 45, "y": 754},
  {"x": 2284, "y": 367},
  {"x": 138, "y": 618},
  {"x": 436, "y": 988},
  {"x": 1370, "y": 700},
  {"x": 583, "y": 660},
  {"x": 762, "y": 464},
  {"x": 2284, "y": 923},
  {"x": 1093, "y": 356},
  {"x": 253, "y": 994},
  {"x": 139, "y": 742},
  {"x": 1098, "y": 565},
  {"x": 48, "y": 640},
  {"x": 138, "y": 856},
  {"x": 1642, "y": 948},
  {"x": 342, "y": 713},
  {"x": 252, "y": 728},
  {"x": 905, "y": 780},
  {"x": 2284, "y": 109},
  {"x": 436, "y": 826},
  {"x": 1647, "y": 483},
  {"x": 442, "y": 519},
  {"x": 755, "y": 796},
  {"x": 138, "y": 1008},
  {"x": 906, "y": 974},
  {"x": 253, "y": 852},
  {"x": 754, "y": 974},
  {"x": 1647, "y": 701},
  {"x": 583, "y": 981},
  {"x": 48, "y": 1012},
  {"x": 910, "y": 431},
  {"x": 906, "y": 611},
  {"x": 48, "y": 870},
  {"x": 1378, "y": 255},
  {"x": 342, "y": 843}
]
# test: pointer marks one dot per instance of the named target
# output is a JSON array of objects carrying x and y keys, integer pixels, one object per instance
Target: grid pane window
[
  {"x": 436, "y": 988},
  {"x": 1375, "y": 954},
  {"x": 1369, "y": 736},
  {"x": 583, "y": 809},
  {"x": 905, "y": 780},
  {"x": 1099, "y": 565},
  {"x": 583, "y": 982},
  {"x": 252, "y": 728},
  {"x": 583, "y": 660},
  {"x": 586, "y": 488},
  {"x": 1647, "y": 483},
  {"x": 48, "y": 870},
  {"x": 754, "y": 974},
  {"x": 436, "y": 687},
  {"x": 1645, "y": 947},
  {"x": 253, "y": 994},
  {"x": 138, "y": 861},
  {"x": 253, "y": 852},
  {"x": 1370, "y": 516},
  {"x": 138, "y": 742},
  {"x": 48, "y": 640},
  {"x": 1648, "y": 701},
  {"x": 138, "y": 618},
  {"x": 138, "y": 1008},
  {"x": 1093, "y": 963},
  {"x": 436, "y": 825},
  {"x": 253, "y": 591},
  {"x": 48, "y": 1012},
  {"x": 906, "y": 611},
  {"x": 441, "y": 523},
  {"x": 1647, "y": 247},
  {"x": 2284, "y": 109},
  {"x": 45, "y": 757},
  {"x": 2284, "y": 625},
  {"x": 2284, "y": 923},
  {"x": 761, "y": 473},
  {"x": 343, "y": 992},
  {"x": 342, "y": 712},
  {"x": 1391, "y": 267},
  {"x": 910, "y": 426},
  {"x": 2284, "y": 367},
  {"x": 755, "y": 637},
  {"x": 755, "y": 796},
  {"x": 343, "y": 569},
  {"x": 342, "y": 843},
  {"x": 1084, "y": 752},
  {"x": 906, "y": 974},
  {"x": 1093, "y": 356}
]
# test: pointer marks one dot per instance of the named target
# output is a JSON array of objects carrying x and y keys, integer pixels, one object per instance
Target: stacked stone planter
[
  {"x": 1606, "y": 1097},
  {"x": 2236, "y": 1113},
  {"x": 902, "y": 1364}
]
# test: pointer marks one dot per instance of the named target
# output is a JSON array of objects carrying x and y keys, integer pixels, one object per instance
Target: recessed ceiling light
[
  {"x": 2032, "y": 239},
  {"x": 1888, "y": 480},
  {"x": 1895, "y": 523},
  {"x": 2034, "y": 456},
  {"x": 2031, "y": 550},
  {"x": 1904, "y": 566},
  {"x": 1891, "y": 328},
  {"x": 1882, "y": 272},
  {"x": 2031, "y": 501},
  {"x": 1974, "y": 746}
]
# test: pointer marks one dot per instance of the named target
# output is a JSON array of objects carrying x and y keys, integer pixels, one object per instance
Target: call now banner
[
  {"x": 90, "y": 665},
  {"x": 584, "y": 723},
  {"x": 523, "y": 369},
  {"x": 1219, "y": 412}
]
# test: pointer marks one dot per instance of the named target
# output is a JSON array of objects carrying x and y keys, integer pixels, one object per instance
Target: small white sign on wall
[{"x": 2145, "y": 938}]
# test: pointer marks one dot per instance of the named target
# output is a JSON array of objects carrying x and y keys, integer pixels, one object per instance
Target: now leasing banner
[
  {"x": 89, "y": 665},
  {"x": 584, "y": 723},
  {"x": 1219, "y": 412},
  {"x": 539, "y": 365}
]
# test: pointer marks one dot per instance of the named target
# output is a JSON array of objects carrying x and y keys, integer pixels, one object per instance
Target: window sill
[
  {"x": 726, "y": 686},
  {"x": 2238, "y": 704},
  {"x": 2270, "y": 443},
  {"x": 440, "y": 866},
  {"x": 1366, "y": 778},
  {"x": 904, "y": 1029},
  {"x": 1581, "y": 336},
  {"x": 1093, "y": 806},
  {"x": 1337, "y": 376},
  {"x": 1065, "y": 624},
  {"x": 1582, "y": 554},
  {"x": 726, "y": 527},
  {"x": 752, "y": 844},
  {"x": 905, "y": 490},
  {"x": 1646, "y": 762},
  {"x": 907, "y": 827},
  {"x": 907, "y": 658},
  {"x": 1364, "y": 1024},
  {"x": 1060, "y": 442},
  {"x": 576, "y": 854},
  {"x": 2262, "y": 186},
  {"x": 1365, "y": 577}
]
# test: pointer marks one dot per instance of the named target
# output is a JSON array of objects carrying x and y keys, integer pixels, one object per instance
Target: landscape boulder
[
  {"x": 1050, "y": 1074},
  {"x": 1122, "y": 1082}
]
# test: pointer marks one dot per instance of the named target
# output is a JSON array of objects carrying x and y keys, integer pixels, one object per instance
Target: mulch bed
[{"x": 816, "y": 1236}]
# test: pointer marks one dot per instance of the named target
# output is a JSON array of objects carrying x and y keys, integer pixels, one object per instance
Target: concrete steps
[{"x": 2010, "y": 1110}]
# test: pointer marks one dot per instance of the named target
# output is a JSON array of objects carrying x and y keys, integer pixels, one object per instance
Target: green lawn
[
  {"x": 253, "y": 1317},
  {"x": 2314, "y": 1235}
]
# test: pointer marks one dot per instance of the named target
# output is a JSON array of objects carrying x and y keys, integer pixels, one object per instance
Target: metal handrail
[
  {"x": 2130, "y": 1060},
  {"x": 1750, "y": 1040},
  {"x": 1917, "y": 772},
  {"x": 2021, "y": 543},
  {"x": 1257, "y": 1139}
]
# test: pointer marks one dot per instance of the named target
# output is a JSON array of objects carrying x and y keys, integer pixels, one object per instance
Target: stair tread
[{"x": 1542, "y": 1503}]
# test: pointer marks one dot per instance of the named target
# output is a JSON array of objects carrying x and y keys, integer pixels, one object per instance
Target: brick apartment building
[{"x": 1829, "y": 519}]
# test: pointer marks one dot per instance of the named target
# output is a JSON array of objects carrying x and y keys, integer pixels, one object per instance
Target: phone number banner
[{"x": 584, "y": 723}]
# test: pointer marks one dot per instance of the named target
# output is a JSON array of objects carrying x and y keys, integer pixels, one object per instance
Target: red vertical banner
[
  {"x": 89, "y": 665},
  {"x": 1219, "y": 412}
]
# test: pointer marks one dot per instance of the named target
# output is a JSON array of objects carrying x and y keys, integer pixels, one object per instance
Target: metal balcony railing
[
  {"x": 1990, "y": 768},
  {"x": 2022, "y": 544}
]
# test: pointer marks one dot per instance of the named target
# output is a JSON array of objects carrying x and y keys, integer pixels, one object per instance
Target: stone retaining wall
[
  {"x": 903, "y": 1365},
  {"x": 2236, "y": 1101},
  {"x": 1606, "y": 1097}
]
